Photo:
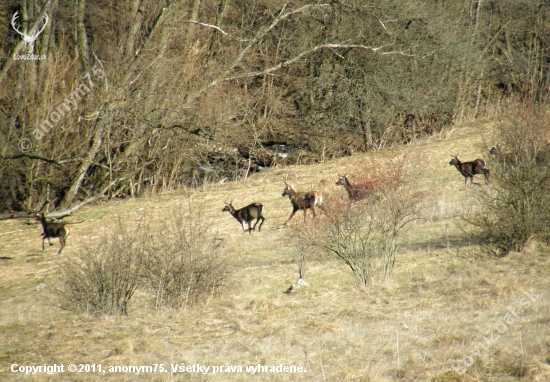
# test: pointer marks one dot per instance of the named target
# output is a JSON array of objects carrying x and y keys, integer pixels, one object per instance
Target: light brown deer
[
  {"x": 469, "y": 169},
  {"x": 53, "y": 230},
  {"x": 246, "y": 214},
  {"x": 355, "y": 191},
  {"x": 303, "y": 200}
]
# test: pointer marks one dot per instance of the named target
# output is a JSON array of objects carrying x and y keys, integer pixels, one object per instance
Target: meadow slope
[{"x": 431, "y": 315}]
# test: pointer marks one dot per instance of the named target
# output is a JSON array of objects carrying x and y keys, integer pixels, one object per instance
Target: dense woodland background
[{"x": 199, "y": 91}]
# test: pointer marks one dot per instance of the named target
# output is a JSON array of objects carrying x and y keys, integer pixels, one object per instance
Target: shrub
[
  {"x": 186, "y": 266},
  {"x": 177, "y": 260},
  {"x": 365, "y": 235},
  {"x": 516, "y": 205},
  {"x": 103, "y": 279}
]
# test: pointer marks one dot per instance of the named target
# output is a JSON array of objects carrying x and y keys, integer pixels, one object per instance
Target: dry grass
[{"x": 437, "y": 306}]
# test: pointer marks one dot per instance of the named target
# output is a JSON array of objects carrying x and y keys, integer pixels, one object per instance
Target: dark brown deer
[
  {"x": 537, "y": 153},
  {"x": 506, "y": 158},
  {"x": 303, "y": 201},
  {"x": 469, "y": 169},
  {"x": 53, "y": 230},
  {"x": 246, "y": 215},
  {"x": 355, "y": 191}
]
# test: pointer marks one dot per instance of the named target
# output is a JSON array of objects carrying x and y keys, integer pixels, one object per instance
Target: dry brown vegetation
[
  {"x": 432, "y": 312},
  {"x": 517, "y": 200},
  {"x": 144, "y": 96},
  {"x": 168, "y": 108},
  {"x": 365, "y": 236}
]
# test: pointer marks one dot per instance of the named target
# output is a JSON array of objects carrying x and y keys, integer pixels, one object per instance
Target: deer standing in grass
[
  {"x": 53, "y": 230},
  {"x": 246, "y": 215},
  {"x": 303, "y": 200},
  {"x": 355, "y": 191},
  {"x": 469, "y": 169}
]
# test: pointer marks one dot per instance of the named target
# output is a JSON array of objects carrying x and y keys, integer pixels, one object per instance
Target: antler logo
[{"x": 29, "y": 38}]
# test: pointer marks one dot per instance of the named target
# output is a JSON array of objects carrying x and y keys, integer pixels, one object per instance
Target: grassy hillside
[{"x": 430, "y": 316}]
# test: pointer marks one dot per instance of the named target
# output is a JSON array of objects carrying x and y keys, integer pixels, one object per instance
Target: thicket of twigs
[
  {"x": 177, "y": 263},
  {"x": 366, "y": 234},
  {"x": 516, "y": 204},
  {"x": 142, "y": 96}
]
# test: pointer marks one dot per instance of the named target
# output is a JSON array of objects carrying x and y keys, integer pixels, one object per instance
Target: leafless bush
[
  {"x": 223, "y": 99},
  {"x": 103, "y": 279},
  {"x": 366, "y": 235},
  {"x": 186, "y": 266},
  {"x": 516, "y": 206},
  {"x": 177, "y": 260}
]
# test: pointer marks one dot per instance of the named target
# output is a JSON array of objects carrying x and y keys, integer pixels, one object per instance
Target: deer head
[
  {"x": 342, "y": 180},
  {"x": 29, "y": 38},
  {"x": 455, "y": 161}
]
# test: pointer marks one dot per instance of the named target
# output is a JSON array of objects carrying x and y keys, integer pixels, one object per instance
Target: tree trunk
[
  {"x": 83, "y": 170},
  {"x": 367, "y": 130},
  {"x": 191, "y": 26},
  {"x": 82, "y": 39},
  {"x": 136, "y": 18}
]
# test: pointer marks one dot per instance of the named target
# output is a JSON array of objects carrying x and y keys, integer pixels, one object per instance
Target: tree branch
[
  {"x": 17, "y": 215},
  {"x": 218, "y": 29},
  {"x": 381, "y": 23},
  {"x": 315, "y": 49},
  {"x": 53, "y": 161},
  {"x": 47, "y": 160},
  {"x": 84, "y": 166},
  {"x": 282, "y": 16},
  {"x": 69, "y": 211}
]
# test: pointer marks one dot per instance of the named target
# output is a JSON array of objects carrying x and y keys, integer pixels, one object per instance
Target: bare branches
[
  {"x": 83, "y": 169},
  {"x": 101, "y": 194},
  {"x": 282, "y": 17},
  {"x": 317, "y": 48},
  {"x": 47, "y": 160},
  {"x": 382, "y": 24},
  {"x": 262, "y": 33},
  {"x": 219, "y": 30}
]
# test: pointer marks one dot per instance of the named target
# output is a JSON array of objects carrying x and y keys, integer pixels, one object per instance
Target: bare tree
[{"x": 246, "y": 79}]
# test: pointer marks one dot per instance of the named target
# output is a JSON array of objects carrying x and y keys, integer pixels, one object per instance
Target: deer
[
  {"x": 536, "y": 153},
  {"x": 469, "y": 169},
  {"x": 53, "y": 230},
  {"x": 246, "y": 215},
  {"x": 355, "y": 191},
  {"x": 303, "y": 200},
  {"x": 500, "y": 155}
]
